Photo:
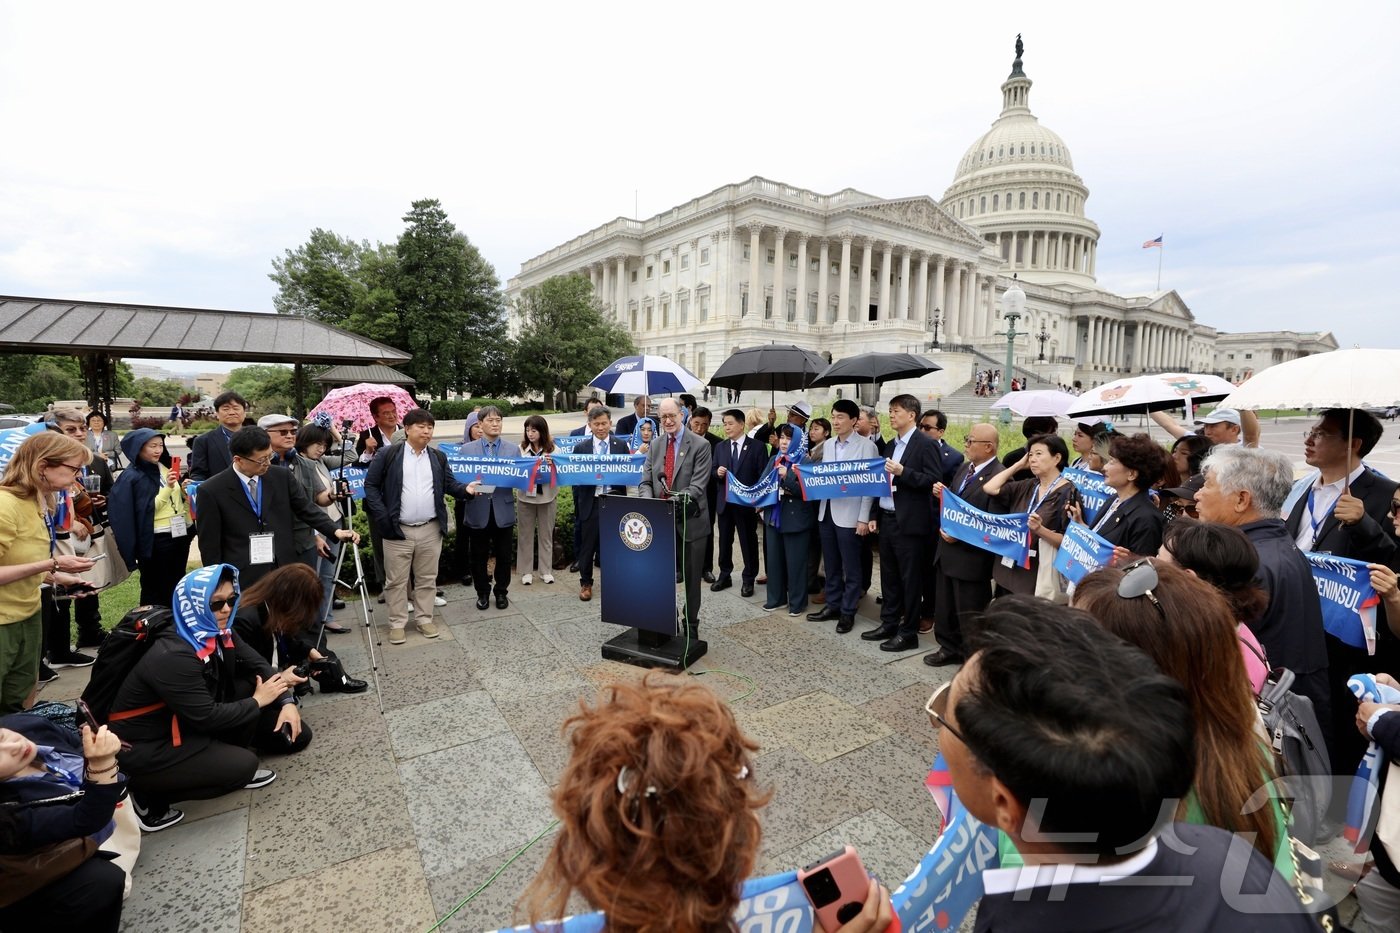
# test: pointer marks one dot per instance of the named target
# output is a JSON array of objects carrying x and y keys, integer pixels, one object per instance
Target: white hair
[{"x": 1265, "y": 474}]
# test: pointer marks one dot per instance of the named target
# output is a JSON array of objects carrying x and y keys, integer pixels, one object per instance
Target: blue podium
[{"x": 637, "y": 542}]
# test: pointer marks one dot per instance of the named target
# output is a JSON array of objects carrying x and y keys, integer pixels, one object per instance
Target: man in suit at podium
[
  {"x": 679, "y": 466},
  {"x": 745, "y": 457},
  {"x": 586, "y": 497}
]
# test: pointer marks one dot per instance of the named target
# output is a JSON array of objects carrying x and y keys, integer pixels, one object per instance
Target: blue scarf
[{"x": 194, "y": 620}]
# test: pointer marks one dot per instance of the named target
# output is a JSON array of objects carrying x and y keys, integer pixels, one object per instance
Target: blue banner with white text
[
  {"x": 760, "y": 494},
  {"x": 1093, "y": 489},
  {"x": 1081, "y": 553},
  {"x": 836, "y": 479},
  {"x": 598, "y": 469},
  {"x": 1348, "y": 599},
  {"x": 1003, "y": 535}
]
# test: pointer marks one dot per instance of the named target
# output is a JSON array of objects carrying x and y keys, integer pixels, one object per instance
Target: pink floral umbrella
[{"x": 351, "y": 403}]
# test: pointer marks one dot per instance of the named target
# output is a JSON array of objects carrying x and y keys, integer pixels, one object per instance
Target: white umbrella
[
  {"x": 1339, "y": 379},
  {"x": 1156, "y": 392},
  {"x": 1032, "y": 403},
  {"x": 646, "y": 375}
]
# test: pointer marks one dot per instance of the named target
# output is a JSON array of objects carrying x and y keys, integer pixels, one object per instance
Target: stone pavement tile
[
  {"x": 805, "y": 800},
  {"x": 918, "y": 670},
  {"x": 891, "y": 774},
  {"x": 885, "y": 847},
  {"x": 530, "y": 677},
  {"x": 774, "y": 679},
  {"x": 190, "y": 880},
  {"x": 817, "y": 725},
  {"x": 501, "y": 639},
  {"x": 536, "y": 722},
  {"x": 612, "y": 672},
  {"x": 202, "y": 809},
  {"x": 410, "y": 675},
  {"x": 382, "y": 890},
  {"x": 726, "y": 608},
  {"x": 472, "y": 800},
  {"x": 438, "y": 724},
  {"x": 494, "y": 907},
  {"x": 580, "y": 639},
  {"x": 903, "y": 711}
]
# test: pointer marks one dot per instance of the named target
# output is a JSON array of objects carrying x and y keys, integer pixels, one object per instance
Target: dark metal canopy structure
[
  {"x": 100, "y": 333},
  {"x": 376, "y": 373}
]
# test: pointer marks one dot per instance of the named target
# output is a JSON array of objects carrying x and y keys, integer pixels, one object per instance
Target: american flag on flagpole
[{"x": 1151, "y": 243}]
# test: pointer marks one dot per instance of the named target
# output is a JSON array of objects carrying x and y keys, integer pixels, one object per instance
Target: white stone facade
[
  {"x": 846, "y": 273},
  {"x": 1239, "y": 356}
]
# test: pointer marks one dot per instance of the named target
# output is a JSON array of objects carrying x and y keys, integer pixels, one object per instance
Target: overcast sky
[{"x": 166, "y": 153}]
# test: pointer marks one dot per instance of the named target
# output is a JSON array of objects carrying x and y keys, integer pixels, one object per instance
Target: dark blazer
[
  {"x": 752, "y": 457},
  {"x": 384, "y": 490},
  {"x": 796, "y": 513},
  {"x": 952, "y": 459},
  {"x": 626, "y": 424},
  {"x": 249, "y": 626},
  {"x": 692, "y": 472},
  {"x": 226, "y": 519},
  {"x": 913, "y": 504},
  {"x": 1137, "y": 525},
  {"x": 500, "y": 505},
  {"x": 209, "y": 454},
  {"x": 1370, "y": 539},
  {"x": 956, "y": 559},
  {"x": 379, "y": 437},
  {"x": 586, "y": 497}
]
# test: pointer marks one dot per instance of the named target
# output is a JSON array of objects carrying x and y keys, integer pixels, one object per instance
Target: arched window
[
  {"x": 1021, "y": 202},
  {"x": 1057, "y": 202},
  {"x": 1023, "y": 148},
  {"x": 1035, "y": 200},
  {"x": 996, "y": 202},
  {"x": 983, "y": 207},
  {"x": 1001, "y": 151}
]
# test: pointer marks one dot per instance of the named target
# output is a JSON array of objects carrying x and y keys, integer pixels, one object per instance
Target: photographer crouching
[{"x": 277, "y": 618}]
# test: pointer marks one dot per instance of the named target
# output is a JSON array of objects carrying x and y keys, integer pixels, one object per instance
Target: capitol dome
[{"x": 1016, "y": 186}]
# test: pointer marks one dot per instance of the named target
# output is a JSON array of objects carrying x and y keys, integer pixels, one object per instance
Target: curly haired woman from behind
[{"x": 659, "y": 815}]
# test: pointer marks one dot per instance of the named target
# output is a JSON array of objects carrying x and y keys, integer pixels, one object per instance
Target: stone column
[
  {"x": 604, "y": 290},
  {"x": 974, "y": 301},
  {"x": 1137, "y": 350},
  {"x": 779, "y": 264},
  {"x": 863, "y": 312},
  {"x": 939, "y": 292},
  {"x": 902, "y": 309},
  {"x": 886, "y": 263},
  {"x": 1093, "y": 341},
  {"x": 1118, "y": 346},
  {"x": 951, "y": 307},
  {"x": 921, "y": 290},
  {"x": 967, "y": 306},
  {"x": 843, "y": 288},
  {"x": 823, "y": 276},
  {"x": 755, "y": 281},
  {"x": 722, "y": 273},
  {"x": 802, "y": 278},
  {"x": 620, "y": 280}
]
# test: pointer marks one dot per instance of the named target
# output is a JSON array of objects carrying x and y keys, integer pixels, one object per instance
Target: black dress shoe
[
  {"x": 337, "y": 603},
  {"x": 483, "y": 602},
  {"x": 707, "y": 577},
  {"x": 824, "y": 614},
  {"x": 942, "y": 658},
  {"x": 573, "y": 567},
  {"x": 879, "y": 600},
  {"x": 723, "y": 583},
  {"x": 746, "y": 589},
  {"x": 845, "y": 625},
  {"x": 881, "y": 633},
  {"x": 501, "y": 601},
  {"x": 900, "y": 643},
  {"x": 467, "y": 580}
]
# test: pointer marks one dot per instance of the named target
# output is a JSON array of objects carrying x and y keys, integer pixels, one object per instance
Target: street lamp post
[
  {"x": 934, "y": 321},
  {"x": 1013, "y": 305},
  {"x": 1043, "y": 336}
]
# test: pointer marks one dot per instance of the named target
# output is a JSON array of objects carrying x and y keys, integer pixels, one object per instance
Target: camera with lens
[
  {"x": 342, "y": 489},
  {"x": 309, "y": 668}
]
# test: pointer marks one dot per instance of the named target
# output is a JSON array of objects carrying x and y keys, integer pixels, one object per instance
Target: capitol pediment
[{"x": 922, "y": 214}]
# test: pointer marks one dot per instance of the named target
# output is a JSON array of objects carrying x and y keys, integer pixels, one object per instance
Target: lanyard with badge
[
  {"x": 1313, "y": 520},
  {"x": 178, "y": 528},
  {"x": 260, "y": 550},
  {"x": 1037, "y": 497}
]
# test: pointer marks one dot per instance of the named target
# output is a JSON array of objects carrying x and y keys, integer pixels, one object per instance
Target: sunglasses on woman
[
  {"x": 1140, "y": 579},
  {"x": 218, "y": 605}
]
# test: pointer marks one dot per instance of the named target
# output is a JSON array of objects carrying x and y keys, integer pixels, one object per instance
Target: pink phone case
[{"x": 833, "y": 883}]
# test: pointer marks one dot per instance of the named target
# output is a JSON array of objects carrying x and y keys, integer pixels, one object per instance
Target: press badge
[
  {"x": 177, "y": 526},
  {"x": 260, "y": 548},
  {"x": 484, "y": 490}
]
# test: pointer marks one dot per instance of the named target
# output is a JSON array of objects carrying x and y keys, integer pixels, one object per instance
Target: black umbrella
[
  {"x": 875, "y": 367},
  {"x": 772, "y": 366}
]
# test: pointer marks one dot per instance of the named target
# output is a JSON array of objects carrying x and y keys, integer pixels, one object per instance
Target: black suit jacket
[
  {"x": 913, "y": 504},
  {"x": 384, "y": 441},
  {"x": 209, "y": 455},
  {"x": 753, "y": 457},
  {"x": 384, "y": 489},
  {"x": 626, "y": 425},
  {"x": 1369, "y": 539},
  {"x": 226, "y": 519},
  {"x": 586, "y": 497},
  {"x": 957, "y": 559},
  {"x": 1137, "y": 525}
]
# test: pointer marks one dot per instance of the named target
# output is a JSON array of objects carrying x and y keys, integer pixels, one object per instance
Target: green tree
[
  {"x": 331, "y": 278},
  {"x": 155, "y": 393},
  {"x": 449, "y": 304},
  {"x": 267, "y": 387},
  {"x": 565, "y": 338},
  {"x": 30, "y": 382}
]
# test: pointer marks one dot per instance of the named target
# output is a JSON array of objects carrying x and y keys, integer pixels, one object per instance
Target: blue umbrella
[{"x": 646, "y": 375}]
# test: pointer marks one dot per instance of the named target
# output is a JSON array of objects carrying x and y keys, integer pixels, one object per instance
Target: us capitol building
[{"x": 762, "y": 261}]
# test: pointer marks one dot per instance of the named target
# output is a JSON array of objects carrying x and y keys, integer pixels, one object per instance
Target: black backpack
[{"x": 124, "y": 645}]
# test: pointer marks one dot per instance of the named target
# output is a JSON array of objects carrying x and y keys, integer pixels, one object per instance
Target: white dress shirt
[
  {"x": 897, "y": 455},
  {"x": 416, "y": 507}
]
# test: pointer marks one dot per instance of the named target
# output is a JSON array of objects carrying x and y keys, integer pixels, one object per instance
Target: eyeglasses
[
  {"x": 218, "y": 605},
  {"x": 1140, "y": 579},
  {"x": 282, "y": 431},
  {"x": 937, "y": 709},
  {"x": 928, "y": 427},
  {"x": 67, "y": 466},
  {"x": 1395, "y": 506},
  {"x": 970, "y": 441},
  {"x": 257, "y": 461}
]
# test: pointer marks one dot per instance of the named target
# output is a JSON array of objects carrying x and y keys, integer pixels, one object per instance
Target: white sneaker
[
  {"x": 527, "y": 579},
  {"x": 548, "y": 578},
  {"x": 439, "y": 601}
]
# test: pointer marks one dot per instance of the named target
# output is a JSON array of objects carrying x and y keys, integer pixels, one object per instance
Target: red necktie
[{"x": 670, "y": 461}]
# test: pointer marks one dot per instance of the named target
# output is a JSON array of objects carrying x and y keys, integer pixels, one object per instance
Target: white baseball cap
[{"x": 1220, "y": 416}]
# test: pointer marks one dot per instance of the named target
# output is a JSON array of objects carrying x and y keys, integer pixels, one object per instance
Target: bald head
[
  {"x": 670, "y": 411},
  {"x": 982, "y": 440}
]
